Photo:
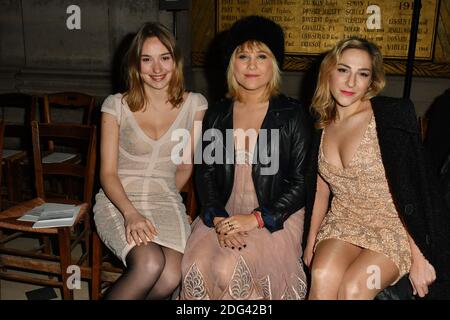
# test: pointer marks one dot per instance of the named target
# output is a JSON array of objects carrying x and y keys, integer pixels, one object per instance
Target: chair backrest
[
  {"x": 81, "y": 138},
  {"x": 15, "y": 128},
  {"x": 19, "y": 100},
  {"x": 72, "y": 100}
]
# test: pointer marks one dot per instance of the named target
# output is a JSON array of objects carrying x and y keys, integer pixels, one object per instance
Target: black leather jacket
[{"x": 279, "y": 194}]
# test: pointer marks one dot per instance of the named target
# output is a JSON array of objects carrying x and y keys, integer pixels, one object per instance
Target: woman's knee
[
  {"x": 324, "y": 284},
  {"x": 166, "y": 285},
  {"x": 223, "y": 267},
  {"x": 349, "y": 290},
  {"x": 148, "y": 261},
  {"x": 357, "y": 287},
  {"x": 322, "y": 275},
  {"x": 170, "y": 281}
]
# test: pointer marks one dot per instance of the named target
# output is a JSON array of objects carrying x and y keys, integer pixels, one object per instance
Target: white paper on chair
[
  {"x": 9, "y": 153},
  {"x": 58, "y": 157},
  {"x": 32, "y": 215},
  {"x": 50, "y": 215}
]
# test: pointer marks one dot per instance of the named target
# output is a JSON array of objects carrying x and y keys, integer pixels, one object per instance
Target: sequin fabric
[{"x": 362, "y": 211}]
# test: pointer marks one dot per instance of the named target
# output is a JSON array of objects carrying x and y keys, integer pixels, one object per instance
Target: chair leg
[
  {"x": 87, "y": 236},
  {"x": 96, "y": 266},
  {"x": 11, "y": 188},
  {"x": 65, "y": 261},
  {"x": 47, "y": 244}
]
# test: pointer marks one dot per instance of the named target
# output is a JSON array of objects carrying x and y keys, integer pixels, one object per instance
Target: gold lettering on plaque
[{"x": 314, "y": 26}]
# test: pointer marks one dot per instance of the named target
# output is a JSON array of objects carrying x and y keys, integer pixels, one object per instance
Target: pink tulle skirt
[{"x": 270, "y": 267}]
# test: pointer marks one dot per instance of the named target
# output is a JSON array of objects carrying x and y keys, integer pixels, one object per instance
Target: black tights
[{"x": 153, "y": 272}]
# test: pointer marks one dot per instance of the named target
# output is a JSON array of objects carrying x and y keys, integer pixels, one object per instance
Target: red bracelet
[{"x": 259, "y": 219}]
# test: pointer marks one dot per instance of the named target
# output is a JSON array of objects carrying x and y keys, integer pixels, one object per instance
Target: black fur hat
[{"x": 260, "y": 29}]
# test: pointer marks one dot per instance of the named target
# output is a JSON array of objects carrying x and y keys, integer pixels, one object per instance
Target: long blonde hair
[
  {"x": 135, "y": 95},
  {"x": 272, "y": 88},
  {"x": 323, "y": 104}
]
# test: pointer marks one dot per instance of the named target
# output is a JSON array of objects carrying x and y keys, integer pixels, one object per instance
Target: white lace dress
[{"x": 147, "y": 174}]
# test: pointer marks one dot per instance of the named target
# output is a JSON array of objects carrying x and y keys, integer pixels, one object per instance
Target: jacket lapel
[{"x": 389, "y": 115}]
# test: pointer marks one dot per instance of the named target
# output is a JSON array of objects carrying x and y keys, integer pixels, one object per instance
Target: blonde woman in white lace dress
[{"x": 139, "y": 212}]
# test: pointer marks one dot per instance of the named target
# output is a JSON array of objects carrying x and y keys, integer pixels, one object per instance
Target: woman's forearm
[
  {"x": 319, "y": 212},
  {"x": 320, "y": 208},
  {"x": 115, "y": 192}
]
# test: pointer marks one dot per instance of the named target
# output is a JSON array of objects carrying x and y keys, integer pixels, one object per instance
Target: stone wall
[
  {"x": 41, "y": 51},
  {"x": 40, "y": 54}
]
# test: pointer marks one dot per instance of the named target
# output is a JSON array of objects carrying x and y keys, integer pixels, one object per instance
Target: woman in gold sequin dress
[{"x": 365, "y": 239}]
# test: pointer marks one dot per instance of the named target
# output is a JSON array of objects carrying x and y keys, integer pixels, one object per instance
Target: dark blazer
[
  {"x": 437, "y": 141},
  {"x": 411, "y": 181},
  {"x": 279, "y": 194}
]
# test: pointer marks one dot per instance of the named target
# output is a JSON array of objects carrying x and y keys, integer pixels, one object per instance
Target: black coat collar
[{"x": 393, "y": 113}]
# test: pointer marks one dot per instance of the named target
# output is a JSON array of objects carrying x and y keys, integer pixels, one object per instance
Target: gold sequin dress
[{"x": 362, "y": 211}]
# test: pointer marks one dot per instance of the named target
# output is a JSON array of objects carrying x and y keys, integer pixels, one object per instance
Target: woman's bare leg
[
  {"x": 331, "y": 260},
  {"x": 368, "y": 275}
]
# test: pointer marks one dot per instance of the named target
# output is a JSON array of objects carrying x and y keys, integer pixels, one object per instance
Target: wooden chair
[
  {"x": 69, "y": 100},
  {"x": 42, "y": 260},
  {"x": 107, "y": 269},
  {"x": 17, "y": 156},
  {"x": 64, "y": 102}
]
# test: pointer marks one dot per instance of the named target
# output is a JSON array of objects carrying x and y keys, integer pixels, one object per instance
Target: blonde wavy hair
[
  {"x": 272, "y": 88},
  {"x": 323, "y": 105},
  {"x": 135, "y": 95}
]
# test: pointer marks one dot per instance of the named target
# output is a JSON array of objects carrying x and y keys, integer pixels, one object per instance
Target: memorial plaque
[{"x": 313, "y": 26}]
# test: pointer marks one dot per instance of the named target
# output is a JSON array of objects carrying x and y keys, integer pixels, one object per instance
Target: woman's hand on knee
[
  {"x": 237, "y": 224},
  {"x": 421, "y": 275},
  {"x": 235, "y": 241},
  {"x": 139, "y": 229}
]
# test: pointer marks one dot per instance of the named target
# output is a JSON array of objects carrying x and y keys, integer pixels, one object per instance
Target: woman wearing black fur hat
[{"x": 247, "y": 244}]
